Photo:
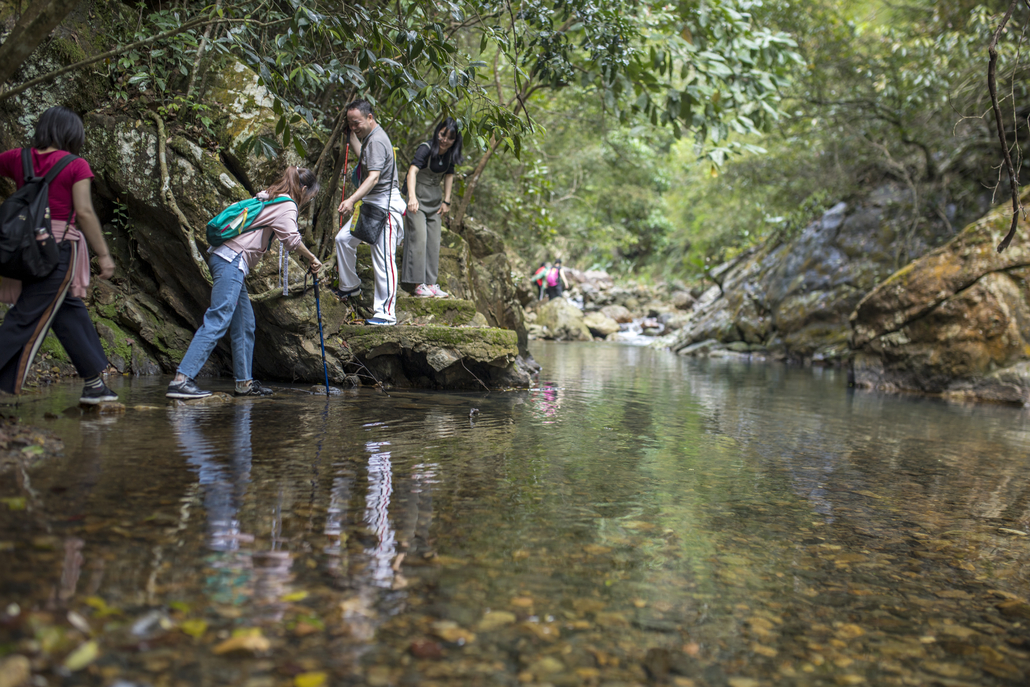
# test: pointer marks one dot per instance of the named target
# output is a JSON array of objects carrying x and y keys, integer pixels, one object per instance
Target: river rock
[
  {"x": 619, "y": 313},
  {"x": 954, "y": 321},
  {"x": 433, "y": 356},
  {"x": 15, "y": 671},
  {"x": 563, "y": 321},
  {"x": 801, "y": 292},
  {"x": 218, "y": 398},
  {"x": 600, "y": 324},
  {"x": 682, "y": 300}
]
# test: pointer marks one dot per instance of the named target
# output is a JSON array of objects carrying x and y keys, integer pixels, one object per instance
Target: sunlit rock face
[
  {"x": 954, "y": 322},
  {"x": 792, "y": 299}
]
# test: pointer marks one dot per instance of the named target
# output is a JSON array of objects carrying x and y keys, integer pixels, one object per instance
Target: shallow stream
[{"x": 637, "y": 518}]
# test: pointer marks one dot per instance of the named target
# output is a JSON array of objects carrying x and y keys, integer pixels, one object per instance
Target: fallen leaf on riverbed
[
  {"x": 82, "y": 657},
  {"x": 194, "y": 628},
  {"x": 246, "y": 640},
  {"x": 312, "y": 679}
]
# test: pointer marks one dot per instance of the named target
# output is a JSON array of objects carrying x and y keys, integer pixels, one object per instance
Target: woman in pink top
[
  {"x": 56, "y": 300},
  {"x": 230, "y": 304}
]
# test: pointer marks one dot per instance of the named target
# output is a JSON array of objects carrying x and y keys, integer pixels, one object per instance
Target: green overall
[{"x": 422, "y": 230}]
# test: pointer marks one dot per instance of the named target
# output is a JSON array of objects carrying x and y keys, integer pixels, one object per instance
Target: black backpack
[{"x": 28, "y": 250}]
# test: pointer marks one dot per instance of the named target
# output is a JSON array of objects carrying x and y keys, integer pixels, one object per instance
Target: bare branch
[{"x": 992, "y": 86}]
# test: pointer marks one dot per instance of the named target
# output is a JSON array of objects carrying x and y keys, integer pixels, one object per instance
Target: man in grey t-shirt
[{"x": 377, "y": 184}]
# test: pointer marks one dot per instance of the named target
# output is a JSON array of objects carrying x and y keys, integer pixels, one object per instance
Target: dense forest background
[{"x": 649, "y": 139}]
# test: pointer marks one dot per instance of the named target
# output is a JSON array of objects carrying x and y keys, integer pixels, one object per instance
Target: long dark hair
[
  {"x": 59, "y": 128},
  {"x": 300, "y": 183},
  {"x": 452, "y": 156}
]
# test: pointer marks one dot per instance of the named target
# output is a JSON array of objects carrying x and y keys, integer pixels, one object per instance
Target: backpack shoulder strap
[
  {"x": 56, "y": 169},
  {"x": 27, "y": 172}
]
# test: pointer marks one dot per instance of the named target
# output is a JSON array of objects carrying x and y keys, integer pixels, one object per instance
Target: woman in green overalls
[{"x": 430, "y": 178}]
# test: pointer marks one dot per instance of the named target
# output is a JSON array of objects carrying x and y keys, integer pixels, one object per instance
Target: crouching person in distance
[{"x": 230, "y": 303}]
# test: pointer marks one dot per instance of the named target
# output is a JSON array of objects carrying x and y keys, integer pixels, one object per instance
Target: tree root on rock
[{"x": 169, "y": 197}]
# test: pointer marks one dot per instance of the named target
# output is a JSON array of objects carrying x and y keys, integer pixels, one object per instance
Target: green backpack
[{"x": 238, "y": 219}]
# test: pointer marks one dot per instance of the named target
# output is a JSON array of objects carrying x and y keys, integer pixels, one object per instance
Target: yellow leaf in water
[
  {"x": 312, "y": 679},
  {"x": 100, "y": 606},
  {"x": 82, "y": 657},
  {"x": 296, "y": 596},
  {"x": 194, "y": 628},
  {"x": 850, "y": 631},
  {"x": 247, "y": 640},
  {"x": 15, "y": 502}
]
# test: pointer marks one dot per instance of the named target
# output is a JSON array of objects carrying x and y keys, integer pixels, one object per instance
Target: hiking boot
[
  {"x": 423, "y": 291},
  {"x": 186, "y": 390},
  {"x": 379, "y": 322},
  {"x": 437, "y": 291},
  {"x": 255, "y": 389},
  {"x": 343, "y": 295},
  {"x": 91, "y": 396}
]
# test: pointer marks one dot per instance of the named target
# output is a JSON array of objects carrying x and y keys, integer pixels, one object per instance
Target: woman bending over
[
  {"x": 230, "y": 303},
  {"x": 430, "y": 179}
]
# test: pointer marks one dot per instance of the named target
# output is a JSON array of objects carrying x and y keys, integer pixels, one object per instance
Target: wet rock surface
[
  {"x": 792, "y": 300},
  {"x": 954, "y": 322}
]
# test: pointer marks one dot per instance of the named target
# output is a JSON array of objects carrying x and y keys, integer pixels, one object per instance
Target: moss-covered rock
[
  {"x": 447, "y": 311},
  {"x": 954, "y": 322},
  {"x": 794, "y": 298},
  {"x": 433, "y": 356}
]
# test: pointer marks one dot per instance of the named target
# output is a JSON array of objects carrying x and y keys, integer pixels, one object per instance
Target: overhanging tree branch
[
  {"x": 992, "y": 86},
  {"x": 192, "y": 24},
  {"x": 34, "y": 25}
]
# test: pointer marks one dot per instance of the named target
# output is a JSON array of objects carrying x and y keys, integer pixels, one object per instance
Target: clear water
[{"x": 636, "y": 518}]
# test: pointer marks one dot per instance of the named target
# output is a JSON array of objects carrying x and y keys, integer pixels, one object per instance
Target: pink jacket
[
  {"x": 279, "y": 219},
  {"x": 10, "y": 289}
]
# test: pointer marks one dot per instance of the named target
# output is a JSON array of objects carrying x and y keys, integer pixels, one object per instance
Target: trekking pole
[
  {"x": 343, "y": 184},
  {"x": 321, "y": 337}
]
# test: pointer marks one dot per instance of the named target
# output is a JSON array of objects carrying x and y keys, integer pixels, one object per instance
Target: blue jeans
[{"x": 230, "y": 311}]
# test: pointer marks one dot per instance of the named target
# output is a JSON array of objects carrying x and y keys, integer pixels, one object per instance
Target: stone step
[{"x": 448, "y": 312}]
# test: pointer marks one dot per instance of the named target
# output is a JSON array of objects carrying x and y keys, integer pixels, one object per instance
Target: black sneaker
[
  {"x": 186, "y": 390},
  {"x": 344, "y": 295},
  {"x": 256, "y": 389},
  {"x": 91, "y": 396}
]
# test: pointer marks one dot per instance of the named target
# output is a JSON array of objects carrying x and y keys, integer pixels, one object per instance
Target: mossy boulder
[
  {"x": 433, "y": 356},
  {"x": 954, "y": 322},
  {"x": 794, "y": 297},
  {"x": 446, "y": 311},
  {"x": 562, "y": 321}
]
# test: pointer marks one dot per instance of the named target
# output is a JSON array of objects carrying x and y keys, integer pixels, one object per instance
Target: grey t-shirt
[{"x": 377, "y": 156}]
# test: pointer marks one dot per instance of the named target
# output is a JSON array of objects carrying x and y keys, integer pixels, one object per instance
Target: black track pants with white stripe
[{"x": 43, "y": 305}]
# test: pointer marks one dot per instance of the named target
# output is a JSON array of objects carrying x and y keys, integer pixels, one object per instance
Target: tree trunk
[
  {"x": 466, "y": 197},
  {"x": 32, "y": 29}
]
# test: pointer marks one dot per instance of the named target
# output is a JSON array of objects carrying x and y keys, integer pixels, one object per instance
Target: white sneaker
[
  {"x": 423, "y": 291},
  {"x": 436, "y": 291}
]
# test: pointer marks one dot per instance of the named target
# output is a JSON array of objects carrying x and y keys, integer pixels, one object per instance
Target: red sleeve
[
  {"x": 9, "y": 161},
  {"x": 78, "y": 170}
]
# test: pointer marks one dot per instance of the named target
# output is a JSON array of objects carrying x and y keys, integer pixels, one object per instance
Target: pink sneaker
[
  {"x": 423, "y": 291},
  {"x": 437, "y": 291}
]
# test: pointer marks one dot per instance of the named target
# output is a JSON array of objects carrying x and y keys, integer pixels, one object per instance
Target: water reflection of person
[
  {"x": 397, "y": 512},
  {"x": 224, "y": 474}
]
